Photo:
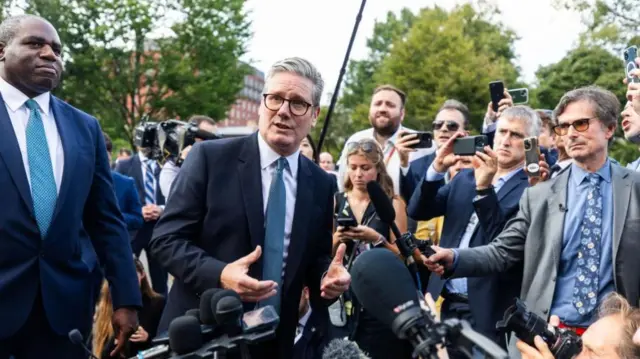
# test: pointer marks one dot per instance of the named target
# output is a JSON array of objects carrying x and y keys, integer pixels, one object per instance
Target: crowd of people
[{"x": 271, "y": 219}]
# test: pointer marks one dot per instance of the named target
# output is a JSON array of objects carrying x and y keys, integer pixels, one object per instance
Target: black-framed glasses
[
  {"x": 296, "y": 107},
  {"x": 451, "y": 126},
  {"x": 580, "y": 125}
]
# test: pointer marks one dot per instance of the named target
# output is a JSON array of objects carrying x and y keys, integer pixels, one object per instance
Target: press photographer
[
  {"x": 171, "y": 167},
  {"x": 611, "y": 336}
]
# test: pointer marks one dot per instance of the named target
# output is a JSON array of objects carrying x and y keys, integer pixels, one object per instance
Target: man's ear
[{"x": 314, "y": 116}]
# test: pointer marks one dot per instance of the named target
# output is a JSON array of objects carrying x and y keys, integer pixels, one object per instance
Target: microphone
[
  {"x": 185, "y": 335},
  {"x": 402, "y": 308},
  {"x": 343, "y": 349},
  {"x": 405, "y": 243},
  {"x": 193, "y": 313},
  {"x": 76, "y": 338}
]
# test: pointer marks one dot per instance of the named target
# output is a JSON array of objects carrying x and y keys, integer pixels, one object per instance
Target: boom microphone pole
[{"x": 334, "y": 96}]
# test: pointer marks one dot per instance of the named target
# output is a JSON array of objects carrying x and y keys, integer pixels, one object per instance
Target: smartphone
[
  {"x": 630, "y": 55},
  {"x": 532, "y": 156},
  {"x": 519, "y": 96},
  {"x": 426, "y": 139},
  {"x": 256, "y": 320},
  {"x": 468, "y": 146},
  {"x": 346, "y": 222},
  {"x": 496, "y": 89}
]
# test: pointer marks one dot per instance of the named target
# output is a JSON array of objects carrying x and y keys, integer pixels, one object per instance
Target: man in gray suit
[{"x": 577, "y": 234}]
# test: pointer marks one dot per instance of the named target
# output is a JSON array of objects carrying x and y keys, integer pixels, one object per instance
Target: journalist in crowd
[
  {"x": 476, "y": 205},
  {"x": 610, "y": 337},
  {"x": 576, "y": 234},
  {"x": 262, "y": 226},
  {"x": 60, "y": 219},
  {"x": 171, "y": 168}
]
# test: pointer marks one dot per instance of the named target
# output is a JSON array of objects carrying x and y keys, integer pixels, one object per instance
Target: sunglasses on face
[
  {"x": 580, "y": 125},
  {"x": 451, "y": 126}
]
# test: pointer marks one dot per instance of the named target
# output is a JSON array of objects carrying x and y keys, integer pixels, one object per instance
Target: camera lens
[{"x": 527, "y": 145}]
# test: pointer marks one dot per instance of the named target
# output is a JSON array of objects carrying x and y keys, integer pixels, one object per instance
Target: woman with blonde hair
[
  {"x": 365, "y": 163},
  {"x": 152, "y": 306}
]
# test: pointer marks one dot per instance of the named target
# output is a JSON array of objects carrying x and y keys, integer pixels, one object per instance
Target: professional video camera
[
  {"x": 564, "y": 344},
  {"x": 384, "y": 287},
  {"x": 167, "y": 139},
  {"x": 219, "y": 326}
]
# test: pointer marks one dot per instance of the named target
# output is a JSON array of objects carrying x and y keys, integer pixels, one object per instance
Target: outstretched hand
[{"x": 337, "y": 279}]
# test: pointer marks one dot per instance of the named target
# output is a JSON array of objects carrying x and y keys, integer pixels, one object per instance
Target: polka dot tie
[
  {"x": 585, "y": 290},
  {"x": 43, "y": 184}
]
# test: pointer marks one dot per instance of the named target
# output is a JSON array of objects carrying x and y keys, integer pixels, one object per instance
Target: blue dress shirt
[{"x": 562, "y": 304}]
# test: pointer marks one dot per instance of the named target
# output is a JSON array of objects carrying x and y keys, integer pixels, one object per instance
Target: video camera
[
  {"x": 564, "y": 344},
  {"x": 167, "y": 139}
]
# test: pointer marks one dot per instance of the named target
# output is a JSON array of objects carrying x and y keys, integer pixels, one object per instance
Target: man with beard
[{"x": 386, "y": 114}]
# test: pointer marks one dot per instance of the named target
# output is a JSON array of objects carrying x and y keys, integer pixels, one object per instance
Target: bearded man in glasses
[{"x": 577, "y": 235}]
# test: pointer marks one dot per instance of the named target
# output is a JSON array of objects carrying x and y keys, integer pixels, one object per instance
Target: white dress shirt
[
  {"x": 168, "y": 174},
  {"x": 391, "y": 156},
  {"x": 15, "y": 101},
  {"x": 268, "y": 158},
  {"x": 303, "y": 323}
]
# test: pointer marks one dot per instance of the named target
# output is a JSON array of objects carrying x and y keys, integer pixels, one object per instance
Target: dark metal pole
[{"x": 334, "y": 97}]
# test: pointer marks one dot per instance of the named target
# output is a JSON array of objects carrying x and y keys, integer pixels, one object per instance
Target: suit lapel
[
  {"x": 250, "y": 175},
  {"x": 621, "y": 182},
  {"x": 64, "y": 122},
  {"x": 555, "y": 220},
  {"x": 299, "y": 229},
  {"x": 512, "y": 184},
  {"x": 10, "y": 153}
]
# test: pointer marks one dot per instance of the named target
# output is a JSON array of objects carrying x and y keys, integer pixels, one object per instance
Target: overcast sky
[{"x": 319, "y": 30}]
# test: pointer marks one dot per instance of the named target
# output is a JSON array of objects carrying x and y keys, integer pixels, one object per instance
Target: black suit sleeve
[
  {"x": 429, "y": 200},
  {"x": 323, "y": 245},
  {"x": 491, "y": 216},
  {"x": 172, "y": 242}
]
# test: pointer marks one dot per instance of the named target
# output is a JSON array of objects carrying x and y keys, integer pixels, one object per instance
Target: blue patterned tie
[
  {"x": 274, "y": 233},
  {"x": 585, "y": 291},
  {"x": 43, "y": 183},
  {"x": 149, "y": 184}
]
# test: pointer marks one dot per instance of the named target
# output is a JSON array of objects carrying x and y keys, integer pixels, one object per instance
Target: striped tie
[{"x": 149, "y": 184}]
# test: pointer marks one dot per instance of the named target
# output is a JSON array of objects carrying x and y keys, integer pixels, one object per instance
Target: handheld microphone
[
  {"x": 76, "y": 338},
  {"x": 343, "y": 349},
  {"x": 384, "y": 209},
  {"x": 193, "y": 313},
  {"x": 403, "y": 309},
  {"x": 185, "y": 335}
]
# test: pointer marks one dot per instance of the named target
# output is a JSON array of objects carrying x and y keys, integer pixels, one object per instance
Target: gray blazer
[{"x": 541, "y": 220}]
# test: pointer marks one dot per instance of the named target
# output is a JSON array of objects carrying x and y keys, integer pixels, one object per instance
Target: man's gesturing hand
[
  {"x": 125, "y": 323},
  {"x": 337, "y": 279},
  {"x": 435, "y": 261},
  {"x": 234, "y": 277}
]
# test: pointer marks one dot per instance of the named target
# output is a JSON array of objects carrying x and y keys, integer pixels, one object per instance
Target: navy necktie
[
  {"x": 149, "y": 183},
  {"x": 585, "y": 291},
  {"x": 43, "y": 183},
  {"x": 274, "y": 232}
]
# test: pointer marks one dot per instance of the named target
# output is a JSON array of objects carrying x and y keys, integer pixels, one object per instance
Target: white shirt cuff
[{"x": 433, "y": 175}]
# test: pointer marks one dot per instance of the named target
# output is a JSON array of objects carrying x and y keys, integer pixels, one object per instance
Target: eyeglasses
[
  {"x": 580, "y": 125},
  {"x": 296, "y": 107},
  {"x": 452, "y": 126}
]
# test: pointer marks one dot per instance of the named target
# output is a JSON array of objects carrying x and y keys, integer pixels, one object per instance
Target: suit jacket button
[{"x": 546, "y": 311}]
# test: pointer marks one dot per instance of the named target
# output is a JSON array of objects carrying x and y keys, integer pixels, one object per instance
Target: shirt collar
[
  {"x": 578, "y": 174},
  {"x": 15, "y": 99},
  {"x": 305, "y": 317},
  {"x": 268, "y": 156},
  {"x": 142, "y": 157},
  {"x": 504, "y": 179}
]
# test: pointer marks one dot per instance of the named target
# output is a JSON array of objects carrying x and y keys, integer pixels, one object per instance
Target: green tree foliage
[
  {"x": 433, "y": 55},
  {"x": 131, "y": 59}
]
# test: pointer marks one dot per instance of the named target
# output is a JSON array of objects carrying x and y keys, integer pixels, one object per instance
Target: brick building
[{"x": 244, "y": 112}]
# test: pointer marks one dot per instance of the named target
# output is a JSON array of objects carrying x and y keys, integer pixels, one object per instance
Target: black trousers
[{"x": 37, "y": 340}]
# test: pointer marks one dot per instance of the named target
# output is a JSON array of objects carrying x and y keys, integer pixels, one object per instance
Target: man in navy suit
[
  {"x": 236, "y": 196},
  {"x": 145, "y": 172},
  {"x": 477, "y": 204},
  {"x": 126, "y": 194},
  {"x": 60, "y": 219}
]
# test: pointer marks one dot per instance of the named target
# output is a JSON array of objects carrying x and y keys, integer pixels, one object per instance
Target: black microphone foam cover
[
  {"x": 342, "y": 349},
  {"x": 206, "y": 315},
  {"x": 213, "y": 303},
  {"x": 381, "y": 202},
  {"x": 382, "y": 283},
  {"x": 228, "y": 310},
  {"x": 193, "y": 313},
  {"x": 76, "y": 337},
  {"x": 184, "y": 335}
]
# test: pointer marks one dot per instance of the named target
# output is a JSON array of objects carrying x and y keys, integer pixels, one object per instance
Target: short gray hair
[
  {"x": 605, "y": 103},
  {"x": 528, "y": 115},
  {"x": 453, "y": 104},
  {"x": 10, "y": 26},
  {"x": 303, "y": 68}
]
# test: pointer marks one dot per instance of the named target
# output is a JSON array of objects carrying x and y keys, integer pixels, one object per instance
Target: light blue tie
[
  {"x": 43, "y": 183},
  {"x": 149, "y": 184},
  {"x": 585, "y": 291},
  {"x": 274, "y": 233}
]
